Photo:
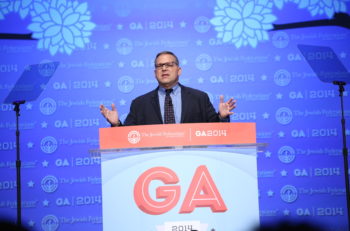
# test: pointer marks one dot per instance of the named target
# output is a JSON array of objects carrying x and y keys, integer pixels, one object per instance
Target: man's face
[{"x": 167, "y": 71}]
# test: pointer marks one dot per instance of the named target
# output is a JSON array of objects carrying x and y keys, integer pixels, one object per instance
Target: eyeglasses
[{"x": 167, "y": 65}]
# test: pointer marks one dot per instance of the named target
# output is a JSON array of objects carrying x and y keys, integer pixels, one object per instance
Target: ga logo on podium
[{"x": 202, "y": 192}]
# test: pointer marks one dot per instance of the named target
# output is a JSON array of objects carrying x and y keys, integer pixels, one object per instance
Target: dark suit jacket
[{"x": 196, "y": 108}]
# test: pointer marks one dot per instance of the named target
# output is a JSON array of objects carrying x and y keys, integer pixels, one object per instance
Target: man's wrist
[{"x": 116, "y": 124}]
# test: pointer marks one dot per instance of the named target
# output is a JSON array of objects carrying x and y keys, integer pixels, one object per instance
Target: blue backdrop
[{"x": 241, "y": 49}]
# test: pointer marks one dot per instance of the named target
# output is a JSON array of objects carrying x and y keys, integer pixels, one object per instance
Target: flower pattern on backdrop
[
  {"x": 59, "y": 25},
  {"x": 321, "y": 7},
  {"x": 247, "y": 22},
  {"x": 243, "y": 22},
  {"x": 6, "y": 6}
]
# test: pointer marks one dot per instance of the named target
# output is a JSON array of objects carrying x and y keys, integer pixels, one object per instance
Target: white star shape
[
  {"x": 345, "y": 93},
  {"x": 46, "y": 203},
  {"x": 119, "y": 27},
  {"x": 281, "y": 134},
  {"x": 277, "y": 58},
  {"x": 108, "y": 84},
  {"x": 268, "y": 154},
  {"x": 31, "y": 223},
  {"x": 183, "y": 24},
  {"x": 44, "y": 124},
  {"x": 43, "y": 86},
  {"x": 184, "y": 62},
  {"x": 199, "y": 42},
  {"x": 29, "y": 106},
  {"x": 30, "y": 145},
  {"x": 270, "y": 193},
  {"x": 120, "y": 64},
  {"x": 45, "y": 163},
  {"x": 30, "y": 184},
  {"x": 266, "y": 115},
  {"x": 122, "y": 102},
  {"x": 263, "y": 77},
  {"x": 284, "y": 173},
  {"x": 343, "y": 55},
  {"x": 279, "y": 96},
  {"x": 106, "y": 46},
  {"x": 286, "y": 212},
  {"x": 200, "y": 80}
]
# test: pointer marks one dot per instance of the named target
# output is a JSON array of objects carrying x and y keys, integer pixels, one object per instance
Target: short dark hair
[{"x": 167, "y": 53}]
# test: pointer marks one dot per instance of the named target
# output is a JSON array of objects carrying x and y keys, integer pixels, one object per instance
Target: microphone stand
[
  {"x": 18, "y": 163},
  {"x": 345, "y": 149}
]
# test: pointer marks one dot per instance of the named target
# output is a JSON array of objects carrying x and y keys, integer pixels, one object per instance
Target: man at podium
[{"x": 171, "y": 102}]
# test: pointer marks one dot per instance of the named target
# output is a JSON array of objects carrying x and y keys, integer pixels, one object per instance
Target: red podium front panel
[
  {"x": 205, "y": 177},
  {"x": 177, "y": 135}
]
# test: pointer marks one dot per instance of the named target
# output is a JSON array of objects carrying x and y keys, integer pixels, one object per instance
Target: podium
[{"x": 179, "y": 177}]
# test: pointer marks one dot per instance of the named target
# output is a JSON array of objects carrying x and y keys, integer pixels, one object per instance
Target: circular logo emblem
[
  {"x": 201, "y": 24},
  {"x": 284, "y": 115},
  {"x": 48, "y": 106},
  {"x": 280, "y": 39},
  {"x": 126, "y": 84},
  {"x": 49, "y": 223},
  {"x": 204, "y": 62},
  {"x": 289, "y": 193},
  {"x": 48, "y": 144},
  {"x": 134, "y": 137},
  {"x": 286, "y": 154},
  {"x": 282, "y": 77},
  {"x": 46, "y": 68},
  {"x": 124, "y": 46},
  {"x": 49, "y": 184}
]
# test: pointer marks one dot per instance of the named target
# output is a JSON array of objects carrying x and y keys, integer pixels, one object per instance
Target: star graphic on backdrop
[
  {"x": 120, "y": 27},
  {"x": 199, "y": 42},
  {"x": 29, "y": 106},
  {"x": 200, "y": 80},
  {"x": 30, "y": 184},
  {"x": 279, "y": 96},
  {"x": 106, "y": 46},
  {"x": 270, "y": 193},
  {"x": 46, "y": 203},
  {"x": 43, "y": 86},
  {"x": 122, "y": 102},
  {"x": 286, "y": 212},
  {"x": 343, "y": 55},
  {"x": 266, "y": 115},
  {"x": 268, "y": 154},
  {"x": 120, "y": 64},
  {"x": 284, "y": 173},
  {"x": 30, "y": 144},
  {"x": 31, "y": 223},
  {"x": 108, "y": 84},
  {"x": 183, "y": 24},
  {"x": 184, "y": 62},
  {"x": 45, "y": 163},
  {"x": 263, "y": 77},
  {"x": 44, "y": 124},
  {"x": 347, "y": 132},
  {"x": 345, "y": 93},
  {"x": 281, "y": 134},
  {"x": 277, "y": 58}
]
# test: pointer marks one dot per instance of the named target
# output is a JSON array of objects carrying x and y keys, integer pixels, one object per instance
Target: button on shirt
[{"x": 176, "y": 99}]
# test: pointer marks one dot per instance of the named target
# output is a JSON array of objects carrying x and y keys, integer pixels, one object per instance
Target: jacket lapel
[
  {"x": 185, "y": 108},
  {"x": 155, "y": 104}
]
